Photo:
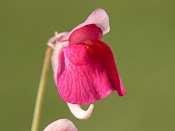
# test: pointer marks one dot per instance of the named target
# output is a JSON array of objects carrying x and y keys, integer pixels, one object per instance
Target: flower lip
[{"x": 99, "y": 17}]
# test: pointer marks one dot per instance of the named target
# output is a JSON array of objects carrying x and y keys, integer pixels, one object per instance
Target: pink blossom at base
[
  {"x": 84, "y": 67},
  {"x": 61, "y": 125}
]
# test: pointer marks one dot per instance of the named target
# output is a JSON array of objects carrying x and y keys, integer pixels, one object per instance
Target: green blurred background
[{"x": 142, "y": 38}]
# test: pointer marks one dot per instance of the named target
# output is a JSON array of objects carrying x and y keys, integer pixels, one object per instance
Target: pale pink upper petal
[
  {"x": 98, "y": 17},
  {"x": 61, "y": 125}
]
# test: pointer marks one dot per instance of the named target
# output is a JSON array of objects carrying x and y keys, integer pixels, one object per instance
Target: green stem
[{"x": 40, "y": 95}]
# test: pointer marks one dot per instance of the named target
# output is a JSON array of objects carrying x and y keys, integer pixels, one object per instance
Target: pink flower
[
  {"x": 84, "y": 67},
  {"x": 61, "y": 125}
]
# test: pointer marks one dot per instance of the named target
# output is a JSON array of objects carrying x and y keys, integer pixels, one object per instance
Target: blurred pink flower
[
  {"x": 84, "y": 67},
  {"x": 61, "y": 125}
]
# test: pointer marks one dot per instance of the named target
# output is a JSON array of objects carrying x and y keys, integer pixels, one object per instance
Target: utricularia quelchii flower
[{"x": 84, "y": 67}]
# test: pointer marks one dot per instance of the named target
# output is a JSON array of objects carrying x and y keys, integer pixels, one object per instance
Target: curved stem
[{"x": 40, "y": 95}]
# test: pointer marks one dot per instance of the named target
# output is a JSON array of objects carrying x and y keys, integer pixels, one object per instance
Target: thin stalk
[{"x": 41, "y": 89}]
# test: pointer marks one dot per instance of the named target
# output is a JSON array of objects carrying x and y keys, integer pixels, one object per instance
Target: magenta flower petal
[
  {"x": 61, "y": 125},
  {"x": 84, "y": 67},
  {"x": 99, "y": 17},
  {"x": 89, "y": 73},
  {"x": 85, "y": 34}
]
